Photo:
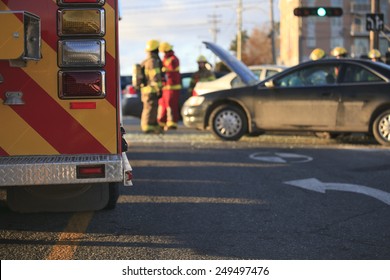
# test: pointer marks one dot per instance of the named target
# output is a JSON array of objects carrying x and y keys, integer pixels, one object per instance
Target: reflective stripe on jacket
[{"x": 171, "y": 69}]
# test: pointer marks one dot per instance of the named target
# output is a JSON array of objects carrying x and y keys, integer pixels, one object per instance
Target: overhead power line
[
  {"x": 181, "y": 5},
  {"x": 214, "y": 21},
  {"x": 178, "y": 6},
  {"x": 167, "y": 26},
  {"x": 172, "y": 3}
]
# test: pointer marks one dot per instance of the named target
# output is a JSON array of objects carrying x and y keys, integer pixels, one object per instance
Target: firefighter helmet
[
  {"x": 201, "y": 58},
  {"x": 165, "y": 47},
  {"x": 339, "y": 52},
  {"x": 374, "y": 53},
  {"x": 317, "y": 54},
  {"x": 152, "y": 45}
]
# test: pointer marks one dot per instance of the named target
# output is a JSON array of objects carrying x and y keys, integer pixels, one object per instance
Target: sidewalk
[{"x": 134, "y": 135}]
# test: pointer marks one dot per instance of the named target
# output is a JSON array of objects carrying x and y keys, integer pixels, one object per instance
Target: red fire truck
[{"x": 61, "y": 143}]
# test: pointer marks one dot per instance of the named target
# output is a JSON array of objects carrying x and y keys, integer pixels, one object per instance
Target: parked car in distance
[
  {"x": 125, "y": 81},
  {"x": 132, "y": 104},
  {"x": 327, "y": 95},
  {"x": 231, "y": 80}
]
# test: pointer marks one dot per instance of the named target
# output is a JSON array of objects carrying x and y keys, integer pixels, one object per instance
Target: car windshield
[
  {"x": 270, "y": 73},
  {"x": 237, "y": 82}
]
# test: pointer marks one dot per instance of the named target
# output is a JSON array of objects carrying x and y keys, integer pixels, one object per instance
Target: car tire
[
  {"x": 381, "y": 128},
  {"x": 113, "y": 195},
  {"x": 228, "y": 123}
]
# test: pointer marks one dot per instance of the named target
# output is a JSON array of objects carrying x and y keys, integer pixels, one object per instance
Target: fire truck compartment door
[{"x": 20, "y": 36}]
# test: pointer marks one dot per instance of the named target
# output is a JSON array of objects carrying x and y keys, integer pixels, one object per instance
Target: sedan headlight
[{"x": 195, "y": 100}]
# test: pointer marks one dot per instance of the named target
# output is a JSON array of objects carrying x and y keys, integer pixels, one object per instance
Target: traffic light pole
[{"x": 374, "y": 35}]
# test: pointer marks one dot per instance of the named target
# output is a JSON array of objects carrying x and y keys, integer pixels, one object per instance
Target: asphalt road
[{"x": 194, "y": 197}]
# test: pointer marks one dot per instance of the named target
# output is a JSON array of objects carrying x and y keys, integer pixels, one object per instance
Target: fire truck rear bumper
[{"x": 69, "y": 169}]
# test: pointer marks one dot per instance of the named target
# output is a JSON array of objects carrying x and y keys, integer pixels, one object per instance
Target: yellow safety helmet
[
  {"x": 374, "y": 53},
  {"x": 339, "y": 52},
  {"x": 165, "y": 47},
  {"x": 317, "y": 54},
  {"x": 201, "y": 58},
  {"x": 152, "y": 45}
]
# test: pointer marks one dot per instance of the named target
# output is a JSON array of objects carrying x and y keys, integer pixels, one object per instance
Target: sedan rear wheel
[
  {"x": 228, "y": 122},
  {"x": 381, "y": 128}
]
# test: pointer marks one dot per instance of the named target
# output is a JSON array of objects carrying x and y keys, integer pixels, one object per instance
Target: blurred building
[{"x": 300, "y": 35}]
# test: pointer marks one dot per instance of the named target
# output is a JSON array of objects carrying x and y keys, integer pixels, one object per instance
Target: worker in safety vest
[
  {"x": 151, "y": 88},
  {"x": 168, "y": 104},
  {"x": 375, "y": 55},
  {"x": 203, "y": 74}
]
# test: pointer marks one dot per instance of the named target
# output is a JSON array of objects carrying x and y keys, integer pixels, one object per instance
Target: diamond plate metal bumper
[{"x": 52, "y": 170}]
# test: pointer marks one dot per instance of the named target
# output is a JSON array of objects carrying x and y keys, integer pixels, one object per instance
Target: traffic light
[{"x": 318, "y": 11}]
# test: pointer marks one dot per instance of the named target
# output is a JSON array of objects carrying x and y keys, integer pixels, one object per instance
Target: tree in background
[{"x": 256, "y": 48}]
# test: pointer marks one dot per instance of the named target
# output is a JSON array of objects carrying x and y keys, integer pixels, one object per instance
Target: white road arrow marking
[
  {"x": 280, "y": 157},
  {"x": 314, "y": 184}
]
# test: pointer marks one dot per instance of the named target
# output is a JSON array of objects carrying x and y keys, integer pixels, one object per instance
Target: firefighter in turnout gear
[
  {"x": 202, "y": 75},
  {"x": 317, "y": 54},
  {"x": 339, "y": 52},
  {"x": 151, "y": 88},
  {"x": 375, "y": 55},
  {"x": 168, "y": 104}
]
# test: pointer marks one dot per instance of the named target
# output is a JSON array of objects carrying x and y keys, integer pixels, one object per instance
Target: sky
[{"x": 185, "y": 24}]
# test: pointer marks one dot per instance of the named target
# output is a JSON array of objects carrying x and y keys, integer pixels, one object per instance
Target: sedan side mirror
[{"x": 270, "y": 84}]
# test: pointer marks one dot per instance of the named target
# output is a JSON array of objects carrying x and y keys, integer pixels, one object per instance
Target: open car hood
[{"x": 242, "y": 71}]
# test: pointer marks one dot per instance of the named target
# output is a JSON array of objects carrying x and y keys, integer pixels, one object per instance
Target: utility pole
[
  {"x": 239, "y": 30},
  {"x": 215, "y": 19},
  {"x": 374, "y": 35},
  {"x": 271, "y": 4}
]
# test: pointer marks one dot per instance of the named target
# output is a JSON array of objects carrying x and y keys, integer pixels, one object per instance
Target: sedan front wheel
[
  {"x": 228, "y": 123},
  {"x": 381, "y": 128}
]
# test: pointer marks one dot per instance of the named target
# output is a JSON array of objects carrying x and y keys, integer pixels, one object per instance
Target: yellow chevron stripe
[
  {"x": 110, "y": 30},
  {"x": 101, "y": 123},
  {"x": 11, "y": 47},
  {"x": 3, "y": 6},
  {"x": 18, "y": 137}
]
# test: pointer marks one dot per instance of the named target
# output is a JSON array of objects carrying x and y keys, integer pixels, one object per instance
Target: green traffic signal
[
  {"x": 318, "y": 11},
  {"x": 321, "y": 12}
]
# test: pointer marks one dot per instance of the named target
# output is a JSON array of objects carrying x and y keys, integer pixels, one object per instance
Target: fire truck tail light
[
  {"x": 81, "y": 22},
  {"x": 81, "y": 53},
  {"x": 95, "y": 2},
  {"x": 81, "y": 84},
  {"x": 91, "y": 171}
]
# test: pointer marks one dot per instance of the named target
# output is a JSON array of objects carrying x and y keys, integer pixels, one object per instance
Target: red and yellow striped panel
[{"x": 45, "y": 124}]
